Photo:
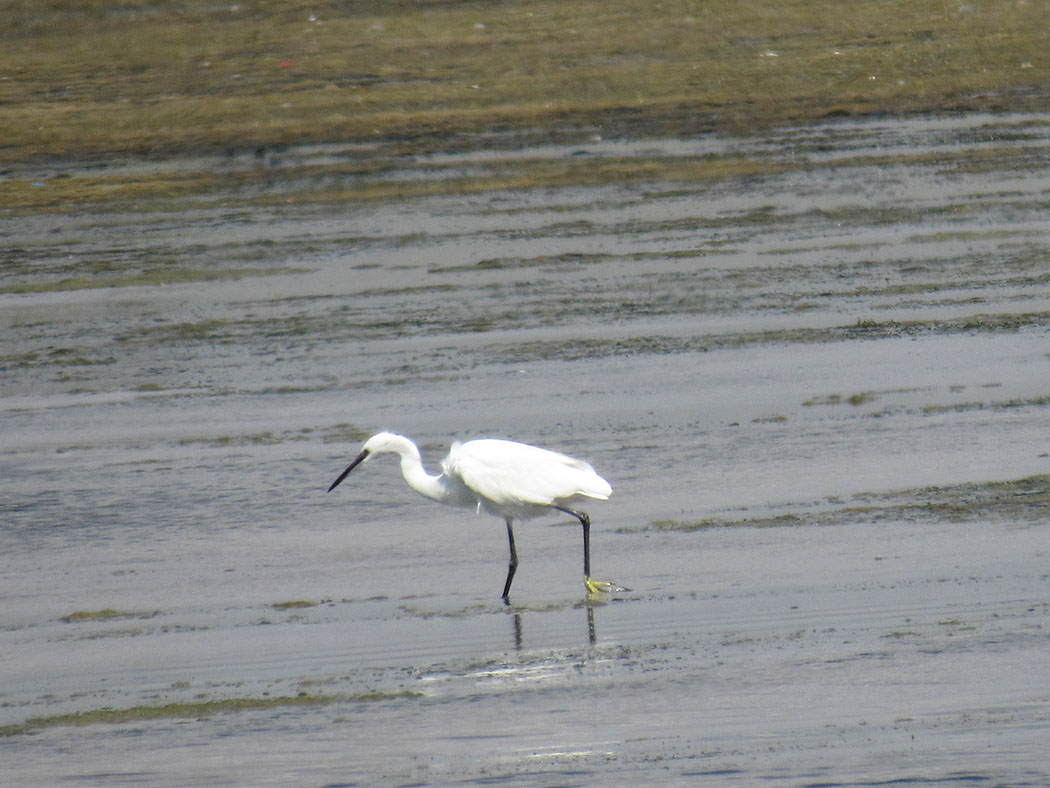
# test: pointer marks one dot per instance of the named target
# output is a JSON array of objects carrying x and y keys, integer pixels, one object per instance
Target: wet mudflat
[{"x": 818, "y": 383}]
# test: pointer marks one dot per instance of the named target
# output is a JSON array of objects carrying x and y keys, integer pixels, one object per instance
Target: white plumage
[
  {"x": 513, "y": 480},
  {"x": 520, "y": 481}
]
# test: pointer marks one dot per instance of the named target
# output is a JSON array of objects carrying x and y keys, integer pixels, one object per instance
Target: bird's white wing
[{"x": 509, "y": 473}]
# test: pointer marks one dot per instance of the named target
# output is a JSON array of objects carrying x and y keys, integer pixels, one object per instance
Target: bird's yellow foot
[{"x": 601, "y": 586}]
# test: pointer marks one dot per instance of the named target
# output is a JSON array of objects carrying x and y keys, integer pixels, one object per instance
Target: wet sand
[{"x": 820, "y": 394}]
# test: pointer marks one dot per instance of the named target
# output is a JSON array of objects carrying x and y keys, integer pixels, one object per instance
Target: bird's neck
[{"x": 418, "y": 479}]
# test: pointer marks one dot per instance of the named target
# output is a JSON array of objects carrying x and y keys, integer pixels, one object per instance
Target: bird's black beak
[{"x": 357, "y": 461}]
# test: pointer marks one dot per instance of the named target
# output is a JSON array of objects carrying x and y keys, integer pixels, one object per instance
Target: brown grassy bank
[{"x": 87, "y": 78}]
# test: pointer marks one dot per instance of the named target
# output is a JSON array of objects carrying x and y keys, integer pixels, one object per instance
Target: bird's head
[
  {"x": 377, "y": 444},
  {"x": 384, "y": 442}
]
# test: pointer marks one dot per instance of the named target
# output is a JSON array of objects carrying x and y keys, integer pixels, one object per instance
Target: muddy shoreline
[{"x": 818, "y": 381}]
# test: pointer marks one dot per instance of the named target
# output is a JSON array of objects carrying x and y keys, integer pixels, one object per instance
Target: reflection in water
[
  {"x": 519, "y": 635},
  {"x": 519, "y": 626}
]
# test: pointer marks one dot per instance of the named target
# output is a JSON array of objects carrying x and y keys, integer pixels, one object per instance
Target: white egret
[{"x": 513, "y": 480}]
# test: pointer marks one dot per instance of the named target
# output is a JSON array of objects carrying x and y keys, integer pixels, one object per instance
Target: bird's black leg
[
  {"x": 512, "y": 567},
  {"x": 585, "y": 521},
  {"x": 593, "y": 586}
]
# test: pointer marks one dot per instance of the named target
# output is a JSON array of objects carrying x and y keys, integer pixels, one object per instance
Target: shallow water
[{"x": 773, "y": 371}]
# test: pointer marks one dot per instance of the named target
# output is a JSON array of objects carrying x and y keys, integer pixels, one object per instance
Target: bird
[{"x": 515, "y": 481}]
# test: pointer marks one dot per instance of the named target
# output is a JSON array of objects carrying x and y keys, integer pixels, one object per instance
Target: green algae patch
[
  {"x": 994, "y": 405},
  {"x": 863, "y": 329},
  {"x": 153, "y": 277},
  {"x": 195, "y": 710},
  {"x": 63, "y": 190},
  {"x": 58, "y": 357},
  {"x": 1022, "y": 500},
  {"x": 344, "y": 432},
  {"x": 107, "y": 614},
  {"x": 294, "y": 604},
  {"x": 516, "y": 174}
]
